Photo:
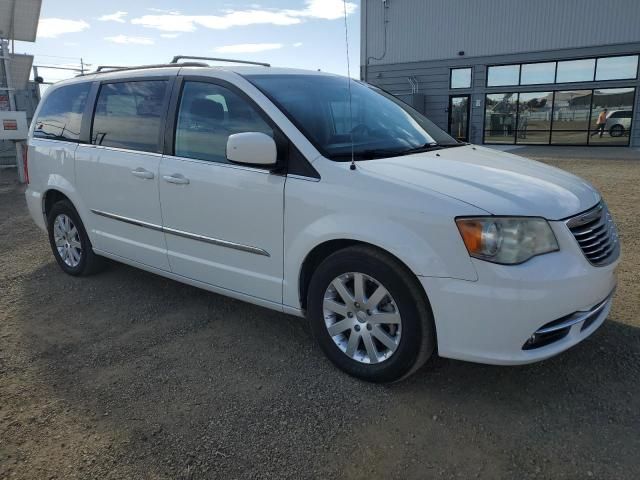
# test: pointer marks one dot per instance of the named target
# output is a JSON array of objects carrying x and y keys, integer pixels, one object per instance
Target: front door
[
  {"x": 223, "y": 222},
  {"x": 459, "y": 117},
  {"x": 117, "y": 175}
]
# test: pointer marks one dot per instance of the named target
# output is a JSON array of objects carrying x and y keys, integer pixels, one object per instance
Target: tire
[
  {"x": 408, "y": 344},
  {"x": 69, "y": 241},
  {"x": 616, "y": 131}
]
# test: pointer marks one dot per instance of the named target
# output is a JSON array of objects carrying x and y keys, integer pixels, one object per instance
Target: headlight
[{"x": 507, "y": 240}]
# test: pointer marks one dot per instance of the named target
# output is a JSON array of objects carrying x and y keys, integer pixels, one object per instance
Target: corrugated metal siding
[{"x": 420, "y": 30}]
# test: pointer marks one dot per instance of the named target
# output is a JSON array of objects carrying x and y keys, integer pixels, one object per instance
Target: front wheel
[
  {"x": 69, "y": 241},
  {"x": 369, "y": 315}
]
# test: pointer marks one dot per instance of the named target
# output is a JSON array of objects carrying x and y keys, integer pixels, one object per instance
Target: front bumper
[{"x": 492, "y": 319}]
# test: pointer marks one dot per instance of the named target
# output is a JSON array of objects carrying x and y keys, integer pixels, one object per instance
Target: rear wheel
[
  {"x": 69, "y": 241},
  {"x": 616, "y": 131},
  {"x": 370, "y": 315}
]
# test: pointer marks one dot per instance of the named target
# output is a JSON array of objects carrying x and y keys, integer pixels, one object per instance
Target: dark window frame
[
  {"x": 170, "y": 79},
  {"x": 468, "y": 97},
  {"x": 519, "y": 65},
  {"x": 290, "y": 160},
  {"x": 555, "y": 78},
  {"x": 551, "y": 129},
  {"x": 85, "y": 112},
  {"x": 537, "y": 85},
  {"x": 637, "y": 55},
  {"x": 451, "y": 69}
]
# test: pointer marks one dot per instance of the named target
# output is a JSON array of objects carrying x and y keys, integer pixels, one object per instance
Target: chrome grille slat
[{"x": 596, "y": 235}]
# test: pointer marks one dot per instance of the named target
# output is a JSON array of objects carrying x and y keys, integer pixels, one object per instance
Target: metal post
[{"x": 12, "y": 105}]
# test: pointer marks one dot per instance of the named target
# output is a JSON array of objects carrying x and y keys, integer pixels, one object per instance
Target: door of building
[{"x": 459, "y": 117}]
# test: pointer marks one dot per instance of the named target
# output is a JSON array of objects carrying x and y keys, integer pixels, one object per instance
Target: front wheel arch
[{"x": 323, "y": 250}]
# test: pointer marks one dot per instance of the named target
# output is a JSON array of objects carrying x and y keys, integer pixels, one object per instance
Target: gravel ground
[{"x": 129, "y": 375}]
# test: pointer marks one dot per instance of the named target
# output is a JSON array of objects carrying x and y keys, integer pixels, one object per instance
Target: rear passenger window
[
  {"x": 128, "y": 115},
  {"x": 61, "y": 115},
  {"x": 208, "y": 115}
]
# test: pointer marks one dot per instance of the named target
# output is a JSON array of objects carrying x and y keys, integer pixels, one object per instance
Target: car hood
[{"x": 497, "y": 182}]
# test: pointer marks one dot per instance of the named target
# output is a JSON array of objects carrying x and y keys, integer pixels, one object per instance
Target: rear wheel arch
[{"x": 50, "y": 198}]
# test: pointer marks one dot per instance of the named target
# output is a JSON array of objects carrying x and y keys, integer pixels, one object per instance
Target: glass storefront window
[
  {"x": 576, "y": 71},
  {"x": 538, "y": 73},
  {"x": 611, "y": 115},
  {"x": 460, "y": 78},
  {"x": 500, "y": 118},
  {"x": 571, "y": 117},
  {"x": 617, "y": 68},
  {"x": 534, "y": 117},
  {"x": 503, "y": 75}
]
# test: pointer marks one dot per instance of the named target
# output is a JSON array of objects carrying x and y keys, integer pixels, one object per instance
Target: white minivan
[{"x": 326, "y": 198}]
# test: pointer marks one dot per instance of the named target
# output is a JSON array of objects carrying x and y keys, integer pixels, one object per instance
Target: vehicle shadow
[{"x": 188, "y": 384}]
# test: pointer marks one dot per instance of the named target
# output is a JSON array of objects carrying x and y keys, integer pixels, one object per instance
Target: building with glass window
[{"x": 542, "y": 72}]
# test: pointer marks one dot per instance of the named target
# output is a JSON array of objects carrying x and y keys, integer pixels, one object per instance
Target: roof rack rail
[
  {"x": 177, "y": 58},
  {"x": 113, "y": 68}
]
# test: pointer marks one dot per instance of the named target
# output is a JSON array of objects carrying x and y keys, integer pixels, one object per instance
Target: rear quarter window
[{"x": 61, "y": 114}]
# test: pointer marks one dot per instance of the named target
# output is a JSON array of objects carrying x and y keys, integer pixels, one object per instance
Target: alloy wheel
[
  {"x": 67, "y": 240},
  {"x": 362, "y": 318}
]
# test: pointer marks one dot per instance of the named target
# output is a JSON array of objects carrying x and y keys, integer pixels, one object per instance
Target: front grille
[{"x": 596, "y": 234}]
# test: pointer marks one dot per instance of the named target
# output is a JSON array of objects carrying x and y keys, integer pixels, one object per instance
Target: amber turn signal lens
[{"x": 471, "y": 235}]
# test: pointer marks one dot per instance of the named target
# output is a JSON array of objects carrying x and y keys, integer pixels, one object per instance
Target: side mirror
[{"x": 252, "y": 148}]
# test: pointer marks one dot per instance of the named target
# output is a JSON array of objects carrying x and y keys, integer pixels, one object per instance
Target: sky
[{"x": 307, "y": 34}]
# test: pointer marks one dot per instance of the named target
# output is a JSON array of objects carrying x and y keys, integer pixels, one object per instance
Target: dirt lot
[{"x": 128, "y": 375}]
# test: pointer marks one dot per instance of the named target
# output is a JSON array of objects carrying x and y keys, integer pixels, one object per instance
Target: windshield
[{"x": 378, "y": 124}]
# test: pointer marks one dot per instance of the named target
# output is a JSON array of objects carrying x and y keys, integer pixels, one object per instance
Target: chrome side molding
[{"x": 180, "y": 233}]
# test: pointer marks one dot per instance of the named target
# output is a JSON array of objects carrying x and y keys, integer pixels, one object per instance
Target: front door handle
[
  {"x": 176, "y": 178},
  {"x": 142, "y": 173}
]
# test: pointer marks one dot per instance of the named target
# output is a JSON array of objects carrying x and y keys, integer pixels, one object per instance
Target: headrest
[{"x": 210, "y": 109}]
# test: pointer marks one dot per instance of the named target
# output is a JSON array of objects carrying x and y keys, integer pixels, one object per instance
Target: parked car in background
[
  {"x": 618, "y": 122},
  {"x": 326, "y": 198}
]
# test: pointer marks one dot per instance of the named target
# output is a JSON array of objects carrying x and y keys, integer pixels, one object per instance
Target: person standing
[{"x": 602, "y": 121}]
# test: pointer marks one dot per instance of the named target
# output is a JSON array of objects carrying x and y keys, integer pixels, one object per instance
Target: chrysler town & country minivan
[{"x": 298, "y": 192}]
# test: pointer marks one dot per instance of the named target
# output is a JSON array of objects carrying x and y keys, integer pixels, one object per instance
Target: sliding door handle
[
  {"x": 142, "y": 173},
  {"x": 176, "y": 178}
]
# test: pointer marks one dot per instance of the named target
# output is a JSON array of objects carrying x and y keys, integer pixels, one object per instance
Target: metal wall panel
[{"x": 422, "y": 30}]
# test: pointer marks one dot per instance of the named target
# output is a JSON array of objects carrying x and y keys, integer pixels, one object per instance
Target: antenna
[{"x": 346, "y": 39}]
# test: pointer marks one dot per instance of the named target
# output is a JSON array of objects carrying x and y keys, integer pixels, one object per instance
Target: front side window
[
  {"x": 61, "y": 115},
  {"x": 374, "y": 124},
  {"x": 208, "y": 115},
  {"x": 460, "y": 78},
  {"x": 128, "y": 115}
]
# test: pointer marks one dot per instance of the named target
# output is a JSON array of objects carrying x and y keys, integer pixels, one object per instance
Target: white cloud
[
  {"x": 297, "y": 44},
  {"x": 164, "y": 10},
  {"x": 248, "y": 47},
  {"x": 124, "y": 39},
  {"x": 327, "y": 9},
  {"x": 314, "y": 9},
  {"x": 114, "y": 17},
  {"x": 169, "y": 35},
  {"x": 54, "y": 27}
]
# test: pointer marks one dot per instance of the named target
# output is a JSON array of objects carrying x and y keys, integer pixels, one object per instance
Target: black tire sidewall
[
  {"x": 396, "y": 281},
  {"x": 616, "y": 131},
  {"x": 65, "y": 207}
]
